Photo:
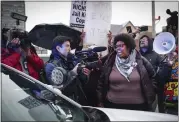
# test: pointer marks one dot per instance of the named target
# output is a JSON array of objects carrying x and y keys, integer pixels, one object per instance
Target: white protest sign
[
  {"x": 97, "y": 24},
  {"x": 78, "y": 14}
]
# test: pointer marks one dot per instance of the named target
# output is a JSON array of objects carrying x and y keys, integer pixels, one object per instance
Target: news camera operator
[
  {"x": 64, "y": 74},
  {"x": 80, "y": 45},
  {"x": 20, "y": 54}
]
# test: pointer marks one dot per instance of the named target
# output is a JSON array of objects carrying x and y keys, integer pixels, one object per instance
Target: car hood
[{"x": 131, "y": 115}]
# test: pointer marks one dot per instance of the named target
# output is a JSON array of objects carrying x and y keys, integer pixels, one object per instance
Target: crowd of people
[{"x": 128, "y": 79}]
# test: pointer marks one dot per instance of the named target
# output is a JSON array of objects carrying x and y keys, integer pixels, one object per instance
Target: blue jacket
[
  {"x": 59, "y": 73},
  {"x": 57, "y": 70}
]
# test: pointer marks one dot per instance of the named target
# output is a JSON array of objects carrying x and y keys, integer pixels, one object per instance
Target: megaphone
[{"x": 164, "y": 43}]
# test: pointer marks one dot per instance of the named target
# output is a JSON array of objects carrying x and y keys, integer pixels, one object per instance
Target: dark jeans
[
  {"x": 162, "y": 77},
  {"x": 142, "y": 107},
  {"x": 160, "y": 95}
]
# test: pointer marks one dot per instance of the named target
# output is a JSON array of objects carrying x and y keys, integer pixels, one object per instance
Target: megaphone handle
[
  {"x": 163, "y": 59},
  {"x": 158, "y": 68}
]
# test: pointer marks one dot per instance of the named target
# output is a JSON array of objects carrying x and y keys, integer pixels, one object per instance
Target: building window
[{"x": 129, "y": 29}]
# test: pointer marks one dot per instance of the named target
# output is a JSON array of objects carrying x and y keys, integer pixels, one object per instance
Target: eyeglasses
[{"x": 119, "y": 46}]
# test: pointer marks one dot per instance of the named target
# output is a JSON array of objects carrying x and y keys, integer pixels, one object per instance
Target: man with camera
[
  {"x": 20, "y": 54},
  {"x": 63, "y": 74}
]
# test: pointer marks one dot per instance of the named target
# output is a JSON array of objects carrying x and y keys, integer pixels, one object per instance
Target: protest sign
[
  {"x": 97, "y": 24},
  {"x": 78, "y": 14},
  {"x": 171, "y": 86}
]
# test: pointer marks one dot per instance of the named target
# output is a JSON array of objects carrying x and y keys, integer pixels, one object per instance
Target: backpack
[
  {"x": 42, "y": 73},
  {"x": 66, "y": 89}
]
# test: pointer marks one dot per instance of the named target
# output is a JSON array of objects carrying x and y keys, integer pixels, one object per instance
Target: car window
[{"x": 25, "y": 100}]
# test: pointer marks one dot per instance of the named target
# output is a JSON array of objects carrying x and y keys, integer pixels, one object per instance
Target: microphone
[
  {"x": 99, "y": 49},
  {"x": 83, "y": 51},
  {"x": 94, "y": 49}
]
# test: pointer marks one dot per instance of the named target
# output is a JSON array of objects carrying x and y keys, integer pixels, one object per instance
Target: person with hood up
[{"x": 146, "y": 50}]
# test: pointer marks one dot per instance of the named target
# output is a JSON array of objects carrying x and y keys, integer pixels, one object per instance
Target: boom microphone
[
  {"x": 99, "y": 49},
  {"x": 92, "y": 49}
]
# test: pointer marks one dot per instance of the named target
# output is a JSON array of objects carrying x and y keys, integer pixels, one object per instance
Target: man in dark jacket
[
  {"x": 146, "y": 49},
  {"x": 63, "y": 73}
]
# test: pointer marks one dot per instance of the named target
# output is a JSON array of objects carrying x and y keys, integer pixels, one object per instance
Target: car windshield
[{"x": 25, "y": 100}]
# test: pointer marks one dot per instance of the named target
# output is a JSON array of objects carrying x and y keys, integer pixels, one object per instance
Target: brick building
[
  {"x": 11, "y": 6},
  {"x": 8, "y": 22}
]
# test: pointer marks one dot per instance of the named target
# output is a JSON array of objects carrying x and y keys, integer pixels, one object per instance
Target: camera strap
[{"x": 23, "y": 62}]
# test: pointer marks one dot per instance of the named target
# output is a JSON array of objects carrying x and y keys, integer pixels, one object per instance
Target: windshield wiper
[{"x": 60, "y": 113}]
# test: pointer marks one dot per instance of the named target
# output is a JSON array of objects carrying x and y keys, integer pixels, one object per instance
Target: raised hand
[
  {"x": 109, "y": 37},
  {"x": 82, "y": 36}
]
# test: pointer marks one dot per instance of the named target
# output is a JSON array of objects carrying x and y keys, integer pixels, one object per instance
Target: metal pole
[{"x": 153, "y": 19}]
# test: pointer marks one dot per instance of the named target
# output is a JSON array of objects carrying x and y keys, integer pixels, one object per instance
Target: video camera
[
  {"x": 84, "y": 63},
  {"x": 22, "y": 35},
  {"x": 84, "y": 58},
  {"x": 14, "y": 33},
  {"x": 90, "y": 54},
  {"x": 172, "y": 22}
]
